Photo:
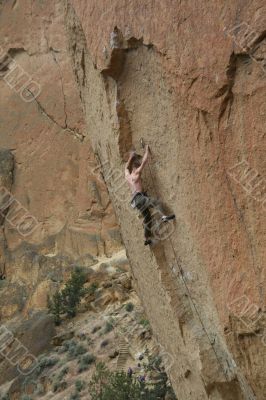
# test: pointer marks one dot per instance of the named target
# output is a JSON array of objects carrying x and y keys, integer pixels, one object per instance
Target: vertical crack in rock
[
  {"x": 62, "y": 84},
  {"x": 227, "y": 90}
]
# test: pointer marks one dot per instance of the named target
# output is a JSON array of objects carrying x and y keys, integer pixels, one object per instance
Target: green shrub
[
  {"x": 68, "y": 344},
  {"x": 76, "y": 350},
  {"x": 107, "y": 385},
  {"x": 74, "y": 396},
  {"x": 55, "y": 306},
  {"x": 73, "y": 348},
  {"x": 58, "y": 383},
  {"x": 108, "y": 327},
  {"x": 144, "y": 322},
  {"x": 89, "y": 341},
  {"x": 85, "y": 361},
  {"x": 61, "y": 349},
  {"x": 45, "y": 362},
  {"x": 59, "y": 386},
  {"x": 66, "y": 301},
  {"x": 154, "y": 363},
  {"x": 5, "y": 397},
  {"x": 129, "y": 307},
  {"x": 80, "y": 385},
  {"x": 40, "y": 390},
  {"x": 63, "y": 372},
  {"x": 92, "y": 288},
  {"x": 96, "y": 329}
]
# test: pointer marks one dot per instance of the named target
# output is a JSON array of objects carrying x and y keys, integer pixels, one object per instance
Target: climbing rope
[{"x": 185, "y": 284}]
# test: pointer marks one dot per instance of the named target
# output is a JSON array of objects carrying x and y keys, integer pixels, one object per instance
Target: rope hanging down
[{"x": 185, "y": 284}]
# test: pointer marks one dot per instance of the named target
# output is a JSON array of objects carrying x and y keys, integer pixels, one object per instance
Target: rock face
[
  {"x": 22, "y": 343},
  {"x": 46, "y": 162},
  {"x": 189, "y": 78}
]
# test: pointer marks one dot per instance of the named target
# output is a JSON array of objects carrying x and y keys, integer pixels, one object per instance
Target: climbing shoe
[{"x": 166, "y": 218}]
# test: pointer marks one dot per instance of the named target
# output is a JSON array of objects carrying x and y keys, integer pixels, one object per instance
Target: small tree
[
  {"x": 55, "y": 306},
  {"x": 106, "y": 385},
  {"x": 65, "y": 302},
  {"x": 73, "y": 292}
]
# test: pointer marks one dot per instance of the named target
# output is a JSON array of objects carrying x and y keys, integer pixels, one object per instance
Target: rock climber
[{"x": 140, "y": 200}]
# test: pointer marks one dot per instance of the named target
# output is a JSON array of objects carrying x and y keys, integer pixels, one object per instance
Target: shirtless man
[{"x": 140, "y": 199}]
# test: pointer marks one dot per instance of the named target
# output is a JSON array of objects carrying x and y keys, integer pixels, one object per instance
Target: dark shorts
[
  {"x": 142, "y": 202},
  {"x": 139, "y": 200}
]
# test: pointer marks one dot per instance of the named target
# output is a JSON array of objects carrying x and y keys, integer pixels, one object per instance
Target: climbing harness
[{"x": 185, "y": 284}]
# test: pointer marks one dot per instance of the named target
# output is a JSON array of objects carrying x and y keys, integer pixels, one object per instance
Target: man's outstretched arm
[
  {"x": 132, "y": 153},
  {"x": 144, "y": 159}
]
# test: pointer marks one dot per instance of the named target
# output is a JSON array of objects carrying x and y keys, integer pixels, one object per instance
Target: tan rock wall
[{"x": 55, "y": 176}]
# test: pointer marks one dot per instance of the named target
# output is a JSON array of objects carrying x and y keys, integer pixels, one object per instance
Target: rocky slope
[
  {"x": 188, "y": 78},
  {"x": 110, "y": 328}
]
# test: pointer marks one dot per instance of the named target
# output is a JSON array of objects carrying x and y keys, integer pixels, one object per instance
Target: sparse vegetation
[
  {"x": 66, "y": 301},
  {"x": 129, "y": 307},
  {"x": 85, "y": 361},
  {"x": 58, "y": 383},
  {"x": 107, "y": 385},
  {"x": 73, "y": 348},
  {"x": 5, "y": 397},
  {"x": 40, "y": 391},
  {"x": 63, "y": 372},
  {"x": 92, "y": 288},
  {"x": 45, "y": 362},
  {"x": 80, "y": 385},
  {"x": 76, "y": 350},
  {"x": 108, "y": 327},
  {"x": 59, "y": 386},
  {"x": 144, "y": 322},
  {"x": 96, "y": 329},
  {"x": 74, "y": 396}
]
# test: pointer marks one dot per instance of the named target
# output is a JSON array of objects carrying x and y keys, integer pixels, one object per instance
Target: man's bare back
[
  {"x": 133, "y": 172},
  {"x": 134, "y": 181}
]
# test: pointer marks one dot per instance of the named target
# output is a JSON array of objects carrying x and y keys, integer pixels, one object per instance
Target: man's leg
[
  {"x": 155, "y": 203},
  {"x": 147, "y": 222},
  {"x": 142, "y": 204}
]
